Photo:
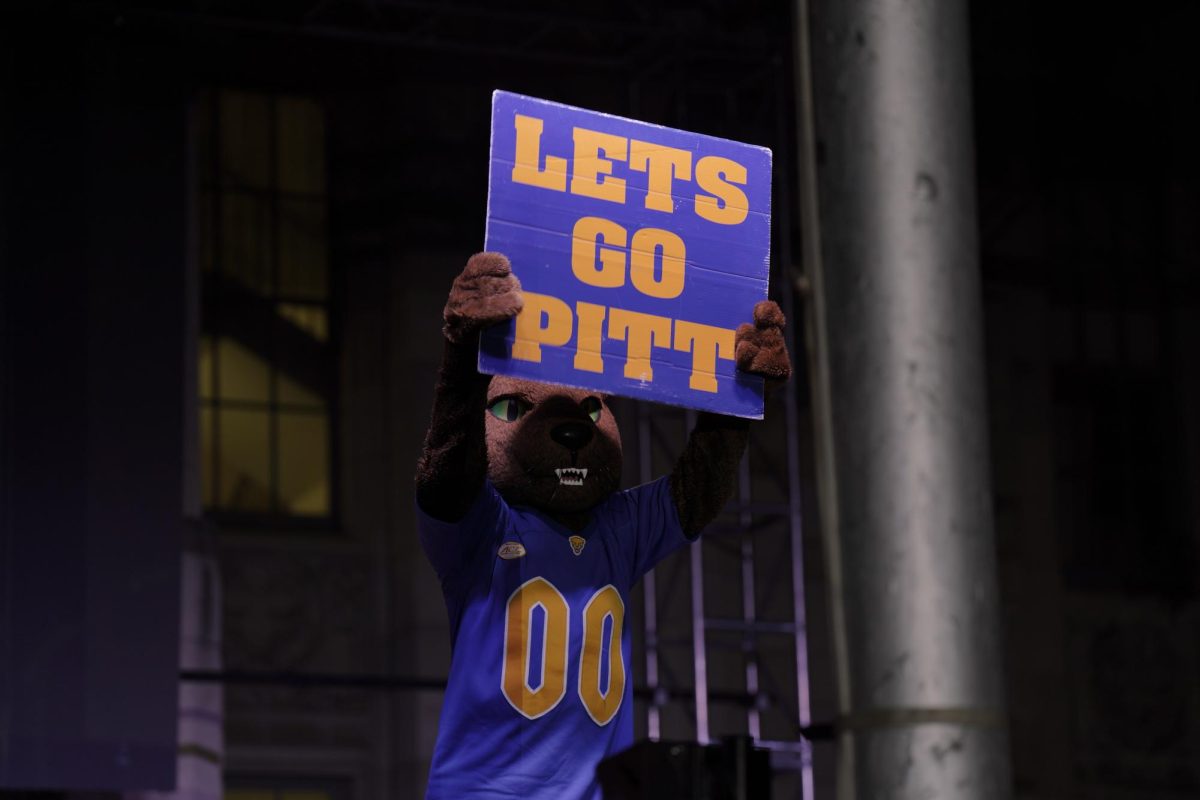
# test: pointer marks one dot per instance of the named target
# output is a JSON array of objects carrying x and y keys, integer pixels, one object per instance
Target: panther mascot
[{"x": 520, "y": 513}]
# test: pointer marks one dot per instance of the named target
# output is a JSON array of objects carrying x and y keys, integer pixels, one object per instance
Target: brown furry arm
[
  {"x": 703, "y": 479},
  {"x": 453, "y": 461}
]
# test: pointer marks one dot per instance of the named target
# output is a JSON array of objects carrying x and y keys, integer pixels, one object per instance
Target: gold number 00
[{"x": 601, "y": 706}]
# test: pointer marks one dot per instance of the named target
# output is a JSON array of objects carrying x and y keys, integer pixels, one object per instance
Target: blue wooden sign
[{"x": 639, "y": 248}]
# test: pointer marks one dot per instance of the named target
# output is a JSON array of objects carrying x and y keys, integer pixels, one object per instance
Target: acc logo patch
[
  {"x": 577, "y": 543},
  {"x": 511, "y": 550}
]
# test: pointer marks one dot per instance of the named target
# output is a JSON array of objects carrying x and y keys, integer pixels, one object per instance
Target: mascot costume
[{"x": 536, "y": 550}]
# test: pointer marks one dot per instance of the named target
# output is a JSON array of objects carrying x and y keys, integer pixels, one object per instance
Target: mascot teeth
[{"x": 570, "y": 476}]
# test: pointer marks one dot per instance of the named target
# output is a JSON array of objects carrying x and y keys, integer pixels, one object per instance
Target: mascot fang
[{"x": 536, "y": 549}]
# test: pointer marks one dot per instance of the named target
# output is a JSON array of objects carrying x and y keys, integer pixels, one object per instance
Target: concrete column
[{"x": 898, "y": 358}]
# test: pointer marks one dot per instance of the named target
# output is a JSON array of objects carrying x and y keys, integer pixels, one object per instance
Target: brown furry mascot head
[{"x": 551, "y": 447}]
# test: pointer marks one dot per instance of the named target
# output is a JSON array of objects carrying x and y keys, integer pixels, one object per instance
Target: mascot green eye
[
  {"x": 508, "y": 409},
  {"x": 591, "y": 406}
]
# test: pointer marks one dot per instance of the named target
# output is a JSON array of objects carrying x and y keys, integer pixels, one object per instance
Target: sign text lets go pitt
[{"x": 639, "y": 248}]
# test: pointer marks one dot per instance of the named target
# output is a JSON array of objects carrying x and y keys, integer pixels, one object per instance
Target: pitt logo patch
[
  {"x": 577, "y": 543},
  {"x": 511, "y": 550}
]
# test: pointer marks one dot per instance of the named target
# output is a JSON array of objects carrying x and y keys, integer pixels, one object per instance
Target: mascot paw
[
  {"x": 759, "y": 349},
  {"x": 485, "y": 292}
]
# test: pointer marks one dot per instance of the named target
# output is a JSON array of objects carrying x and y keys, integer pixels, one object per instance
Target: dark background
[{"x": 1089, "y": 189}]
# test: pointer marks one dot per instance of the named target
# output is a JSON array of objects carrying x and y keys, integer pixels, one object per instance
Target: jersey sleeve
[
  {"x": 453, "y": 547},
  {"x": 656, "y": 526}
]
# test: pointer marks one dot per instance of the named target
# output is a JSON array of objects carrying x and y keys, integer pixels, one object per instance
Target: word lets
[{"x": 596, "y": 153}]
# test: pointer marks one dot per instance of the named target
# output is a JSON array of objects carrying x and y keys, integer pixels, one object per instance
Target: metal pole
[
  {"x": 749, "y": 614},
  {"x": 787, "y": 279},
  {"x": 897, "y": 301},
  {"x": 649, "y": 589},
  {"x": 699, "y": 651}
]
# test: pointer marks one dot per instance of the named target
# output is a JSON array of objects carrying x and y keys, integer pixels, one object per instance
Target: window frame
[{"x": 211, "y": 189}]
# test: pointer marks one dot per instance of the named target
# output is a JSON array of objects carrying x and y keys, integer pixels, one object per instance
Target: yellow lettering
[
  {"x": 587, "y": 354},
  {"x": 663, "y": 164},
  {"x": 586, "y": 239},
  {"x": 716, "y": 176},
  {"x": 527, "y": 159},
  {"x": 706, "y": 343},
  {"x": 543, "y": 320},
  {"x": 602, "y": 706},
  {"x": 514, "y": 682},
  {"x": 642, "y": 332},
  {"x": 643, "y": 257},
  {"x": 589, "y": 165}
]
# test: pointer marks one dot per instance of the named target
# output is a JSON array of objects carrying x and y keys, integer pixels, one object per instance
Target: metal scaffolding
[
  {"x": 735, "y": 566},
  {"x": 741, "y": 668},
  {"x": 745, "y": 593}
]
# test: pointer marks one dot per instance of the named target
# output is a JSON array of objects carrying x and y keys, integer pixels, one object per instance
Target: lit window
[{"x": 266, "y": 351}]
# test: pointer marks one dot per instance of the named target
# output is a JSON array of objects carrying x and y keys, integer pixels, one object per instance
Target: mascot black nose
[{"x": 572, "y": 435}]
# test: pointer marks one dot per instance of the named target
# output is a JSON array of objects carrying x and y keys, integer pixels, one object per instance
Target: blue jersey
[{"x": 540, "y": 686}]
